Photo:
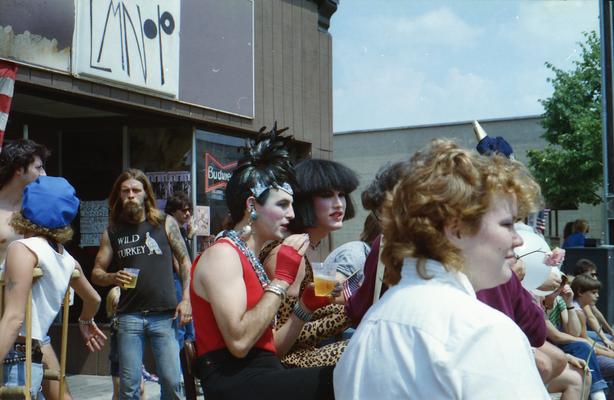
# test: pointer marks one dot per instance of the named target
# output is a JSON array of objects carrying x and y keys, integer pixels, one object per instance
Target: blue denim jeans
[
  {"x": 582, "y": 350},
  {"x": 132, "y": 333},
  {"x": 15, "y": 374}
]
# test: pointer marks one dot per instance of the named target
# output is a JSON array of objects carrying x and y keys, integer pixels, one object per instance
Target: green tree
[{"x": 570, "y": 168}]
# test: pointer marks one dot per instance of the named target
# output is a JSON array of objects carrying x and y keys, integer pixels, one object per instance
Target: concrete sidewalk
[{"x": 94, "y": 387}]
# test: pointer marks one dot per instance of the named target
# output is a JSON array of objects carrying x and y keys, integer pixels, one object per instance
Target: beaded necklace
[{"x": 256, "y": 264}]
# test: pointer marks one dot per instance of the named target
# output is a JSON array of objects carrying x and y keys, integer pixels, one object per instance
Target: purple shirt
[
  {"x": 358, "y": 304},
  {"x": 517, "y": 303}
]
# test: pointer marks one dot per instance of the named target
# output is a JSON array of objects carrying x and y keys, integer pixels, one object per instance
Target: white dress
[{"x": 432, "y": 339}]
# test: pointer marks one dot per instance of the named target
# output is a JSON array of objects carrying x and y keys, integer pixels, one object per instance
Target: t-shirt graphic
[
  {"x": 145, "y": 247},
  {"x": 152, "y": 245}
]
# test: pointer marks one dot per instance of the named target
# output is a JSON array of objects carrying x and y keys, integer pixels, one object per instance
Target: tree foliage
[{"x": 570, "y": 168}]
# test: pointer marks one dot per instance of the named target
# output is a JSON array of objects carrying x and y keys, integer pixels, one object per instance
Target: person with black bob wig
[
  {"x": 322, "y": 204},
  {"x": 327, "y": 179},
  {"x": 235, "y": 301},
  {"x": 49, "y": 206}
]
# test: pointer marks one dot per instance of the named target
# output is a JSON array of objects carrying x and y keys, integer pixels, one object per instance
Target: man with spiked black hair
[{"x": 233, "y": 298}]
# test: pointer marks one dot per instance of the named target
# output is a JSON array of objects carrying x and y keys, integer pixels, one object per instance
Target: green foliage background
[{"x": 570, "y": 168}]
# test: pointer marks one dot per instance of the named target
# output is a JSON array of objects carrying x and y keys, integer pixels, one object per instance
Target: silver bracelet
[
  {"x": 277, "y": 290},
  {"x": 301, "y": 313},
  {"x": 86, "y": 321}
]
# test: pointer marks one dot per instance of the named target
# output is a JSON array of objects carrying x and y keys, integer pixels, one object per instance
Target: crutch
[
  {"x": 55, "y": 375},
  {"x": 48, "y": 374},
  {"x": 21, "y": 391}
]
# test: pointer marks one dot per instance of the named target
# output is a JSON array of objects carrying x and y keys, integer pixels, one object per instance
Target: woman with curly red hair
[{"x": 449, "y": 232}]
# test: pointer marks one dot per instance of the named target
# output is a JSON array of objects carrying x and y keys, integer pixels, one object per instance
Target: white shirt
[
  {"x": 47, "y": 291},
  {"x": 432, "y": 339}
]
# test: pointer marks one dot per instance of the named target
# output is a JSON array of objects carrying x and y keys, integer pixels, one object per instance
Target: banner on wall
[
  {"x": 167, "y": 183},
  {"x": 94, "y": 218},
  {"x": 134, "y": 42}
]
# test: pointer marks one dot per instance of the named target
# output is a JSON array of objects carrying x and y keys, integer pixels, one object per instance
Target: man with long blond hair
[{"x": 143, "y": 240}]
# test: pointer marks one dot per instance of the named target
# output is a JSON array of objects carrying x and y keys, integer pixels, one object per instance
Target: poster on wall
[
  {"x": 135, "y": 43},
  {"x": 167, "y": 183},
  {"x": 202, "y": 221},
  {"x": 94, "y": 218}
]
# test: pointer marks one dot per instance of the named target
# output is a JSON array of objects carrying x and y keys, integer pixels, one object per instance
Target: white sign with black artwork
[{"x": 131, "y": 42}]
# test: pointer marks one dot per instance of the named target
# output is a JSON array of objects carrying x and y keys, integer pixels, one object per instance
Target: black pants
[{"x": 260, "y": 375}]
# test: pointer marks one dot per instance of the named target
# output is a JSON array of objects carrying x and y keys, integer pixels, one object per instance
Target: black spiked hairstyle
[
  {"x": 315, "y": 177},
  {"x": 266, "y": 160}
]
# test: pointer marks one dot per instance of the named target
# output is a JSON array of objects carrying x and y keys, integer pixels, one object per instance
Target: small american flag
[
  {"x": 540, "y": 223},
  {"x": 8, "y": 71},
  {"x": 351, "y": 284}
]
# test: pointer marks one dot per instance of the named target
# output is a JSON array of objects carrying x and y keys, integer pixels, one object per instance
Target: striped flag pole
[{"x": 8, "y": 72}]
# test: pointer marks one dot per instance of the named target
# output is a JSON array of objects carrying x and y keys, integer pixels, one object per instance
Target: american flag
[
  {"x": 351, "y": 284},
  {"x": 8, "y": 71},
  {"x": 540, "y": 223}
]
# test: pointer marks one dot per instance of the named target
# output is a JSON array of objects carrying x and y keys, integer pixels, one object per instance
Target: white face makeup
[
  {"x": 274, "y": 215},
  {"x": 329, "y": 208}
]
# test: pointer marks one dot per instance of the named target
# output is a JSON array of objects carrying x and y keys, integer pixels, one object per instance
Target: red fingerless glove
[
  {"x": 288, "y": 261},
  {"x": 313, "y": 302}
]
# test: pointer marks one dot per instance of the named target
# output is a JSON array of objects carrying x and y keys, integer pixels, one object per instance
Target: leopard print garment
[{"x": 326, "y": 322}]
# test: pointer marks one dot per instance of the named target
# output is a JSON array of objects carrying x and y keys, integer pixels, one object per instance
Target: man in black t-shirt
[{"x": 142, "y": 238}]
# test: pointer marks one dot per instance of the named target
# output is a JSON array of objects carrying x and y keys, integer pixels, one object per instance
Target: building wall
[
  {"x": 293, "y": 78},
  {"x": 366, "y": 151}
]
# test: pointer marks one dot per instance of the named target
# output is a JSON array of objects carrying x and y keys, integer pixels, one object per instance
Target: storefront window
[
  {"x": 165, "y": 155},
  {"x": 216, "y": 158}
]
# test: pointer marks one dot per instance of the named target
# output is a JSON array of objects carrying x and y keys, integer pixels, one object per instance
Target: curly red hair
[{"x": 447, "y": 183}]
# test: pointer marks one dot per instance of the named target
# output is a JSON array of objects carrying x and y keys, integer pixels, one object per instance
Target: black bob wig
[{"x": 316, "y": 177}]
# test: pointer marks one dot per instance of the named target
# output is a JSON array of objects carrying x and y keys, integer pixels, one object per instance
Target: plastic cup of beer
[
  {"x": 134, "y": 272},
  {"x": 324, "y": 277}
]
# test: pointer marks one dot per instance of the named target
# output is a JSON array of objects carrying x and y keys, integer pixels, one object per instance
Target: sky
[{"x": 414, "y": 62}]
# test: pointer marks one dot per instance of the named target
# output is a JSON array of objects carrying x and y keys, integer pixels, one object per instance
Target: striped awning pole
[{"x": 8, "y": 71}]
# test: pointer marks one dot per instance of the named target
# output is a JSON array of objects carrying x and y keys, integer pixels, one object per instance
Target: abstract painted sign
[{"x": 134, "y": 42}]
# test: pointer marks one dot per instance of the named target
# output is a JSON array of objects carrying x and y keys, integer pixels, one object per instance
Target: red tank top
[{"x": 208, "y": 335}]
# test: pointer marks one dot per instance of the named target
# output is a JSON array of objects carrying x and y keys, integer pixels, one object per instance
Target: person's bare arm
[
  {"x": 93, "y": 337},
  {"x": 100, "y": 276},
  {"x": 602, "y": 321},
  {"x": 180, "y": 253},
  {"x": 594, "y": 325},
  {"x": 558, "y": 337},
  {"x": 569, "y": 317},
  {"x": 20, "y": 261},
  {"x": 218, "y": 278}
]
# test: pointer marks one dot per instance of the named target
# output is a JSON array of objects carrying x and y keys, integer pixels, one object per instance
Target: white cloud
[
  {"x": 449, "y": 61},
  {"x": 437, "y": 27}
]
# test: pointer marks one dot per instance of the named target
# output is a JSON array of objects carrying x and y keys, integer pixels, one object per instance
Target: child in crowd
[
  {"x": 586, "y": 292},
  {"x": 565, "y": 330},
  {"x": 585, "y": 266}
]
